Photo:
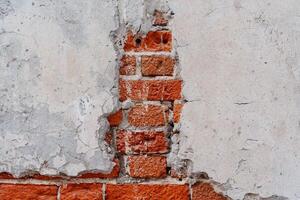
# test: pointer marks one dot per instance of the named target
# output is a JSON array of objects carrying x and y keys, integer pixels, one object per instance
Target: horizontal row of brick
[
  {"x": 141, "y": 115},
  {"x": 97, "y": 191},
  {"x": 150, "y": 65}
]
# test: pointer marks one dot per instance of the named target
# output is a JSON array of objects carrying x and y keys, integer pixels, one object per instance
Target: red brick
[
  {"x": 5, "y": 175},
  {"x": 159, "y": 19},
  {"x": 152, "y": 90},
  {"x": 152, "y": 41},
  {"x": 157, "y": 66},
  {"x": 147, "y": 166},
  {"x": 141, "y": 142},
  {"x": 148, "y": 115},
  {"x": 127, "y": 65},
  {"x": 28, "y": 192},
  {"x": 113, "y": 174},
  {"x": 147, "y": 192},
  {"x": 115, "y": 118},
  {"x": 204, "y": 191},
  {"x": 83, "y": 191},
  {"x": 177, "y": 112}
]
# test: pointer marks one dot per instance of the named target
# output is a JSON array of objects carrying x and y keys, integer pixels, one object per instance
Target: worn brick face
[
  {"x": 153, "y": 41},
  {"x": 148, "y": 115},
  {"x": 113, "y": 174},
  {"x": 147, "y": 192},
  {"x": 28, "y": 192},
  {"x": 141, "y": 142},
  {"x": 81, "y": 191},
  {"x": 177, "y": 111},
  {"x": 157, "y": 66},
  {"x": 147, "y": 166},
  {"x": 127, "y": 65},
  {"x": 204, "y": 191},
  {"x": 153, "y": 90},
  {"x": 115, "y": 118},
  {"x": 159, "y": 19}
]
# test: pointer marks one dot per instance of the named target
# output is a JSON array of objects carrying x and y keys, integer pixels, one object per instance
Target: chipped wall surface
[
  {"x": 238, "y": 60},
  {"x": 57, "y": 73},
  {"x": 240, "y": 65}
]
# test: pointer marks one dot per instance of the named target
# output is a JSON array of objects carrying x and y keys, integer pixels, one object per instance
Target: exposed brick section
[
  {"x": 147, "y": 192},
  {"x": 159, "y": 19},
  {"x": 153, "y": 41},
  {"x": 153, "y": 90},
  {"x": 81, "y": 191},
  {"x": 115, "y": 118},
  {"x": 113, "y": 174},
  {"x": 177, "y": 111},
  {"x": 204, "y": 191},
  {"x": 141, "y": 142},
  {"x": 157, "y": 66},
  {"x": 128, "y": 65},
  {"x": 147, "y": 166},
  {"x": 148, "y": 115},
  {"x": 28, "y": 192}
]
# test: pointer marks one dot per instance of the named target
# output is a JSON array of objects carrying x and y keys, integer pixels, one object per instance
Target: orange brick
[
  {"x": 28, "y": 192},
  {"x": 113, "y": 174},
  {"x": 159, "y": 19},
  {"x": 177, "y": 112},
  {"x": 141, "y": 142},
  {"x": 127, "y": 65},
  {"x": 152, "y": 41},
  {"x": 204, "y": 191},
  {"x": 152, "y": 90},
  {"x": 147, "y": 115},
  {"x": 83, "y": 191},
  {"x": 147, "y": 166},
  {"x": 147, "y": 192},
  {"x": 157, "y": 66},
  {"x": 115, "y": 118}
]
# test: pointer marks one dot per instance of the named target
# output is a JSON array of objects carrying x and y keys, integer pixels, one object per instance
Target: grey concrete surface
[
  {"x": 57, "y": 73},
  {"x": 240, "y": 65}
]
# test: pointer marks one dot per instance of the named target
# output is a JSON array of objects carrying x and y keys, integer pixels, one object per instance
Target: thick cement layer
[
  {"x": 240, "y": 64},
  {"x": 57, "y": 71}
]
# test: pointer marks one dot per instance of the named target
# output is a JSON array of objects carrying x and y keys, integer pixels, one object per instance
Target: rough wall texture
[
  {"x": 240, "y": 66},
  {"x": 57, "y": 71},
  {"x": 236, "y": 135}
]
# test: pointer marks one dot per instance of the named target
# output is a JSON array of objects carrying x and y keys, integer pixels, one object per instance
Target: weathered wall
[
  {"x": 238, "y": 61},
  {"x": 240, "y": 66},
  {"x": 57, "y": 71}
]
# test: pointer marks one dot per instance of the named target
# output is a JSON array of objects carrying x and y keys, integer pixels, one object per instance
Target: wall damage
[{"x": 93, "y": 89}]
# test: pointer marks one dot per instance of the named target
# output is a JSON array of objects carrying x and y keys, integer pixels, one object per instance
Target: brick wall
[{"x": 150, "y": 92}]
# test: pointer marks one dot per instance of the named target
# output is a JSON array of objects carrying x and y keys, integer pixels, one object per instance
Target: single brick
[
  {"x": 28, "y": 192},
  {"x": 159, "y": 19},
  {"x": 148, "y": 115},
  {"x": 127, "y": 65},
  {"x": 152, "y": 41},
  {"x": 147, "y": 166},
  {"x": 115, "y": 118},
  {"x": 113, "y": 174},
  {"x": 157, "y": 66},
  {"x": 204, "y": 191},
  {"x": 147, "y": 192},
  {"x": 82, "y": 191},
  {"x": 152, "y": 90},
  {"x": 177, "y": 108},
  {"x": 141, "y": 142}
]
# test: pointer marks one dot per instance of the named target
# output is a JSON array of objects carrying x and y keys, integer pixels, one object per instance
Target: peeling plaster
[{"x": 57, "y": 80}]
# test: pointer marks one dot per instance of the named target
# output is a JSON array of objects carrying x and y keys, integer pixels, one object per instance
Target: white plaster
[
  {"x": 240, "y": 66},
  {"x": 57, "y": 70}
]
